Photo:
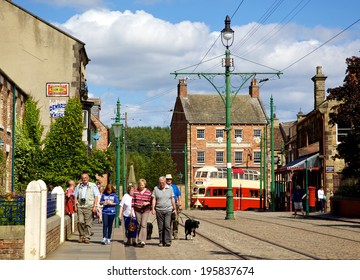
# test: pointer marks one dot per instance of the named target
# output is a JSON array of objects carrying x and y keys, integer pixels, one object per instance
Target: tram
[{"x": 210, "y": 187}]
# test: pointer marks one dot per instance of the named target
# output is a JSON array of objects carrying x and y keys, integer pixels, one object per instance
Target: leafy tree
[
  {"x": 347, "y": 112},
  {"x": 65, "y": 154}
]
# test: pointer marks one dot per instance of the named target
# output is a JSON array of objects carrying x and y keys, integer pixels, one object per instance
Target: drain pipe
[{"x": 13, "y": 142}]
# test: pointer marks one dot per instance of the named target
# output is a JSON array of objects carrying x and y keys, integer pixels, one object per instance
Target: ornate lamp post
[
  {"x": 227, "y": 39},
  {"x": 117, "y": 133}
]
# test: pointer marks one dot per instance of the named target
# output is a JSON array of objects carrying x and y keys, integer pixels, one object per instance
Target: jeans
[
  {"x": 107, "y": 221},
  {"x": 164, "y": 225}
]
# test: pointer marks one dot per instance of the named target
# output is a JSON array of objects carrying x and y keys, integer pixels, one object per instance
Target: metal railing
[{"x": 12, "y": 210}]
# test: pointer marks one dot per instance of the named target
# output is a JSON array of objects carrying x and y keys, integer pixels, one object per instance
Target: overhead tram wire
[
  {"x": 255, "y": 28},
  {"x": 278, "y": 27}
]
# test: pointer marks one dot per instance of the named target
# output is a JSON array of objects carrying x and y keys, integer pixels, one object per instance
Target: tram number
[{"x": 227, "y": 270}]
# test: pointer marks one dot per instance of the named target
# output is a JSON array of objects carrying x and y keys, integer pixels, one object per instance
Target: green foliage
[
  {"x": 349, "y": 188},
  {"x": 65, "y": 154},
  {"x": 348, "y": 112},
  {"x": 28, "y": 147}
]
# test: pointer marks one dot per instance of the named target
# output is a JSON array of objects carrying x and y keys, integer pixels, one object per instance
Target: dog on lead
[
  {"x": 190, "y": 227},
  {"x": 149, "y": 230}
]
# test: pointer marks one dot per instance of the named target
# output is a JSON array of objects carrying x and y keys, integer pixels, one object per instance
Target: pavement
[{"x": 180, "y": 249}]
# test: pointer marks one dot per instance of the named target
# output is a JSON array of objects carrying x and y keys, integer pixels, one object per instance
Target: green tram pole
[
  {"x": 186, "y": 178},
  {"x": 272, "y": 154},
  {"x": 227, "y": 38},
  {"x": 117, "y": 133}
]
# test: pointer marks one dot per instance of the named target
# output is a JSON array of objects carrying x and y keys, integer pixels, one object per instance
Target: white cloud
[{"x": 133, "y": 53}]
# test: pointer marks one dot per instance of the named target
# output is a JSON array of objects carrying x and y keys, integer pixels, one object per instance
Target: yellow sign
[{"x": 57, "y": 89}]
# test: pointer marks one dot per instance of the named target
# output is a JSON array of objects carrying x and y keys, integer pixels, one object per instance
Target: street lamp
[
  {"x": 227, "y": 39},
  {"x": 117, "y": 133}
]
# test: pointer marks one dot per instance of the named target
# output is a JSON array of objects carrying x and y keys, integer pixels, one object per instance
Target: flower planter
[{"x": 345, "y": 206}]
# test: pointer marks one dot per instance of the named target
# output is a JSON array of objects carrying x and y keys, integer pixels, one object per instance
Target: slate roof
[{"x": 210, "y": 109}]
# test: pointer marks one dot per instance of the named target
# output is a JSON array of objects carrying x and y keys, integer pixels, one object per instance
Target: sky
[{"x": 135, "y": 46}]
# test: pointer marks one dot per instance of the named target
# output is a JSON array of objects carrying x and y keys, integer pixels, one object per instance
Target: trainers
[
  {"x": 108, "y": 242},
  {"x": 103, "y": 241},
  {"x": 168, "y": 244},
  {"x": 160, "y": 244},
  {"x": 81, "y": 239},
  {"x": 87, "y": 241},
  {"x": 142, "y": 244}
]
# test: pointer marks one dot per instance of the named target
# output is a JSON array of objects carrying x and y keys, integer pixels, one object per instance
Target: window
[
  {"x": 219, "y": 133},
  {"x": 219, "y": 157},
  {"x": 200, "y": 134},
  {"x": 200, "y": 157},
  {"x": 257, "y": 133},
  {"x": 238, "y": 157},
  {"x": 238, "y": 133},
  {"x": 257, "y": 157}
]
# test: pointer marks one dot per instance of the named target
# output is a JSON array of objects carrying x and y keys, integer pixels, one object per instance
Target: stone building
[{"x": 310, "y": 146}]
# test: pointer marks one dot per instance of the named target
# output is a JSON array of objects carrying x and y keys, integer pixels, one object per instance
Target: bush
[{"x": 349, "y": 188}]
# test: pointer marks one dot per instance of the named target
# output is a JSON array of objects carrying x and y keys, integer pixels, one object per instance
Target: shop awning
[{"x": 311, "y": 161}]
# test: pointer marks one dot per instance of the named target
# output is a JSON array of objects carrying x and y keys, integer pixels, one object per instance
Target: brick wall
[{"x": 12, "y": 242}]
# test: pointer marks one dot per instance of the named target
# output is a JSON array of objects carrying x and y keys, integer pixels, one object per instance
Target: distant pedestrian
[
  {"x": 70, "y": 198},
  {"x": 177, "y": 197},
  {"x": 86, "y": 198},
  {"x": 321, "y": 198},
  {"x": 142, "y": 205},
  {"x": 109, "y": 200},
  {"x": 127, "y": 212},
  {"x": 163, "y": 204},
  {"x": 297, "y": 198}
]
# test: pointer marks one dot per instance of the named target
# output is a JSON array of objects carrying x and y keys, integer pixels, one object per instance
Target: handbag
[
  {"x": 173, "y": 216},
  {"x": 132, "y": 226}
]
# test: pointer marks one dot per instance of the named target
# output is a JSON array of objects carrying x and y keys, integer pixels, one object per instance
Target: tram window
[
  {"x": 254, "y": 193},
  {"x": 195, "y": 190},
  {"x": 204, "y": 174},
  {"x": 213, "y": 175},
  {"x": 246, "y": 176},
  {"x": 207, "y": 192},
  {"x": 256, "y": 177},
  {"x": 251, "y": 177},
  {"x": 202, "y": 191},
  {"x": 197, "y": 174}
]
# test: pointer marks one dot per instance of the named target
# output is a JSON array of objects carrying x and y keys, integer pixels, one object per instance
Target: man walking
[
  {"x": 86, "y": 199},
  {"x": 177, "y": 198},
  {"x": 163, "y": 204}
]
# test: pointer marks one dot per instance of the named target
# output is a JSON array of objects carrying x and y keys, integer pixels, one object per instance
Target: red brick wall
[{"x": 12, "y": 242}]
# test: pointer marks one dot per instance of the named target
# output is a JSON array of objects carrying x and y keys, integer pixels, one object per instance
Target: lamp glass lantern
[{"x": 227, "y": 34}]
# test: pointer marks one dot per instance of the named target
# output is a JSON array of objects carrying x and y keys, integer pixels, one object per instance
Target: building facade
[
  {"x": 310, "y": 146},
  {"x": 12, "y": 107},
  {"x": 198, "y": 136},
  {"x": 45, "y": 61}
]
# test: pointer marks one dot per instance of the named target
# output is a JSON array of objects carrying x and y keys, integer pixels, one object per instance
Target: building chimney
[
  {"x": 319, "y": 87},
  {"x": 254, "y": 89},
  {"x": 182, "y": 88}
]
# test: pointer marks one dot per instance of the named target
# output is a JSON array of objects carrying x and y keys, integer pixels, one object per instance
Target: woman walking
[
  {"x": 127, "y": 212},
  {"x": 142, "y": 205},
  {"x": 109, "y": 199}
]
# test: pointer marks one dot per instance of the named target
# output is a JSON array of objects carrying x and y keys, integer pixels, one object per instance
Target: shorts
[{"x": 298, "y": 205}]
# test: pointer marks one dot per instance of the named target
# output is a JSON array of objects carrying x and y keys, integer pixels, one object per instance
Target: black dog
[
  {"x": 149, "y": 229},
  {"x": 190, "y": 227}
]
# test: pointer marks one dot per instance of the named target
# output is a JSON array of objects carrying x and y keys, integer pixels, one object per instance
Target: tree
[
  {"x": 347, "y": 113},
  {"x": 65, "y": 154}
]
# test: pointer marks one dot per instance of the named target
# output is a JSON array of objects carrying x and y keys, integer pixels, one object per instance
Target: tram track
[{"x": 243, "y": 256}]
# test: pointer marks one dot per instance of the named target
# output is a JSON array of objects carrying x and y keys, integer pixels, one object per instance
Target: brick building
[
  {"x": 198, "y": 122},
  {"x": 9, "y": 92}
]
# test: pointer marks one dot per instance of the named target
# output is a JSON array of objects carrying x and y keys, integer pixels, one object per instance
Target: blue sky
[{"x": 135, "y": 45}]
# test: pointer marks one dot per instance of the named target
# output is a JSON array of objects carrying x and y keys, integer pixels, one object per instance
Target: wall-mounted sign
[
  {"x": 57, "y": 89},
  {"x": 330, "y": 168},
  {"x": 57, "y": 108}
]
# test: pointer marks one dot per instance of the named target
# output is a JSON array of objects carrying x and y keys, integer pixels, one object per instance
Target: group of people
[
  {"x": 164, "y": 201},
  {"x": 299, "y": 195}
]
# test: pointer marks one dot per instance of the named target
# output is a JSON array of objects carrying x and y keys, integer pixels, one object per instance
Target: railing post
[
  {"x": 32, "y": 221},
  {"x": 60, "y": 211},
  {"x": 43, "y": 218}
]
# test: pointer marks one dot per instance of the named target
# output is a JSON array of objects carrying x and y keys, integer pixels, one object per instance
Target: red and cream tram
[{"x": 210, "y": 187}]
